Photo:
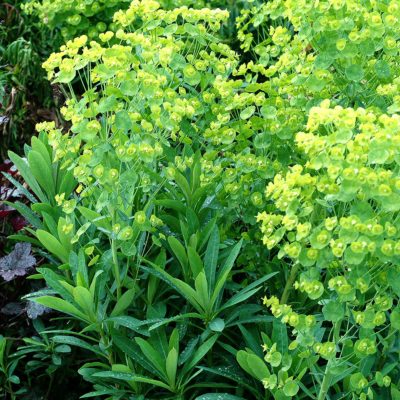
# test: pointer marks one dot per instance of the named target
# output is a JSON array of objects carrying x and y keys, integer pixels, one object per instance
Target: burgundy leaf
[
  {"x": 6, "y": 166},
  {"x": 5, "y": 210},
  {"x": 18, "y": 223}
]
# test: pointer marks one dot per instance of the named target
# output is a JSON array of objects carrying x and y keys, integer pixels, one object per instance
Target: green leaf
[
  {"x": 354, "y": 73},
  {"x": 172, "y": 204},
  {"x": 218, "y": 396},
  {"x": 174, "y": 340},
  {"x": 97, "y": 219},
  {"x": 20, "y": 187},
  {"x": 251, "y": 340},
  {"x": 179, "y": 251},
  {"x": 42, "y": 172},
  {"x": 195, "y": 261},
  {"x": 60, "y": 305},
  {"x": 129, "y": 87},
  {"x": 14, "y": 379},
  {"x": 181, "y": 287},
  {"x": 247, "y": 292},
  {"x": 183, "y": 185},
  {"x": 40, "y": 147},
  {"x": 247, "y": 112},
  {"x": 280, "y": 336},
  {"x": 164, "y": 321},
  {"x": 124, "y": 302},
  {"x": 73, "y": 341},
  {"x": 53, "y": 245},
  {"x": 131, "y": 323},
  {"x": 191, "y": 29},
  {"x": 356, "y": 379},
  {"x": 50, "y": 224},
  {"x": 67, "y": 184},
  {"x": 268, "y": 112},
  {"x": 353, "y": 258},
  {"x": 124, "y": 376},
  {"x": 315, "y": 84},
  {"x": 102, "y": 392},
  {"x": 107, "y": 103},
  {"x": 65, "y": 76},
  {"x": 390, "y": 203},
  {"x": 211, "y": 258},
  {"x": 217, "y": 325},
  {"x": 382, "y": 69},
  {"x": 205, "y": 234},
  {"x": 152, "y": 355},
  {"x": 291, "y": 388},
  {"x": 253, "y": 365},
  {"x": 333, "y": 311},
  {"x": 57, "y": 283},
  {"x": 171, "y": 365},
  {"x": 394, "y": 392},
  {"x": 395, "y": 318},
  {"x": 133, "y": 351},
  {"x": 226, "y": 269},
  {"x": 123, "y": 121},
  {"x": 233, "y": 373},
  {"x": 202, "y": 290},
  {"x": 24, "y": 238},
  {"x": 24, "y": 170},
  {"x": 199, "y": 354},
  {"x": 27, "y": 213},
  {"x": 85, "y": 301},
  {"x": 378, "y": 155},
  {"x": 196, "y": 173},
  {"x": 64, "y": 238}
]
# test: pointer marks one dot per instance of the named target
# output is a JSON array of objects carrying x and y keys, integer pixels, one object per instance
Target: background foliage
[{"x": 25, "y": 95}]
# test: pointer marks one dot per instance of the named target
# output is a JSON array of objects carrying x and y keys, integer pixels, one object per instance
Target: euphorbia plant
[
  {"x": 149, "y": 94},
  {"x": 336, "y": 220},
  {"x": 301, "y": 54}
]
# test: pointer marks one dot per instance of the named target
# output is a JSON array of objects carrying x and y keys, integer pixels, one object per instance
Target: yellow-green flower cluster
[
  {"x": 350, "y": 159},
  {"x": 304, "y": 327},
  {"x": 143, "y": 96},
  {"x": 141, "y": 67},
  {"x": 76, "y": 17},
  {"x": 150, "y": 10},
  {"x": 94, "y": 17},
  {"x": 332, "y": 52},
  {"x": 335, "y": 218}
]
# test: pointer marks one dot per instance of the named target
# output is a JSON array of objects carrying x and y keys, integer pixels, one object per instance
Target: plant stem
[
  {"x": 10, "y": 391},
  {"x": 289, "y": 283},
  {"x": 117, "y": 272},
  {"x": 116, "y": 268},
  {"x": 326, "y": 383},
  {"x": 50, "y": 387}
]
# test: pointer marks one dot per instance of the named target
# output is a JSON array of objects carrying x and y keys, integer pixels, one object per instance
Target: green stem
[
  {"x": 117, "y": 272},
  {"x": 289, "y": 283},
  {"x": 105, "y": 340},
  {"x": 49, "y": 389},
  {"x": 10, "y": 391},
  {"x": 326, "y": 383}
]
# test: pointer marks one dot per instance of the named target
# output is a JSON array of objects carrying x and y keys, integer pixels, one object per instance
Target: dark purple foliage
[
  {"x": 35, "y": 310},
  {"x": 17, "y": 263}
]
